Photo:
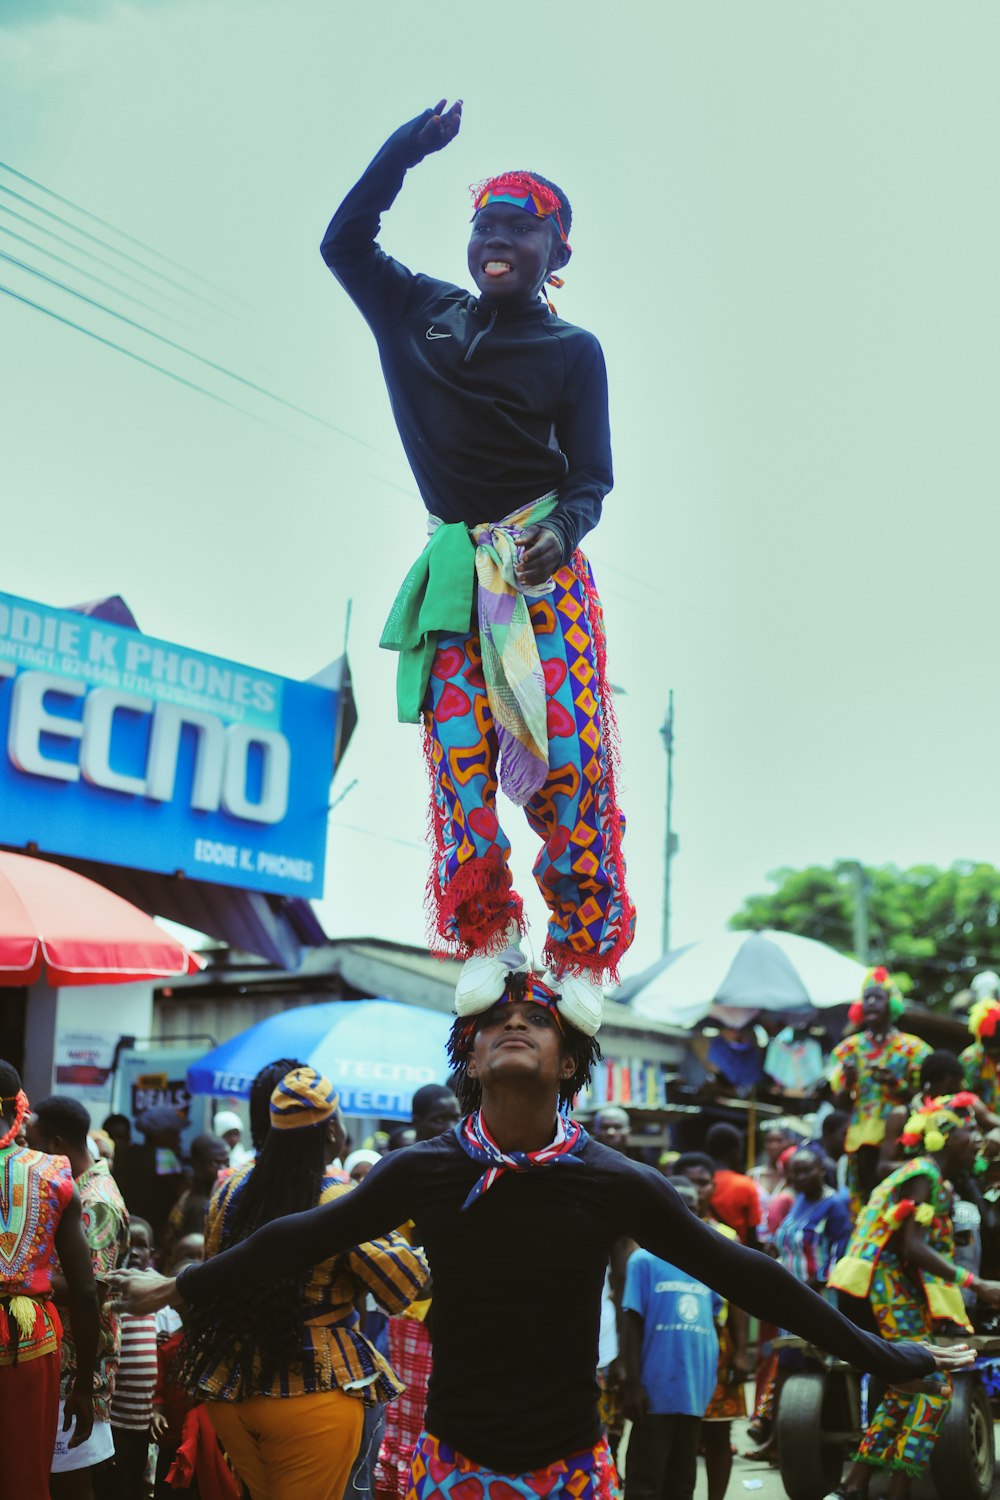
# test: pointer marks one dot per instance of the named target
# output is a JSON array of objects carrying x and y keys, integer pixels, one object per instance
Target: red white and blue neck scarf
[{"x": 476, "y": 1141}]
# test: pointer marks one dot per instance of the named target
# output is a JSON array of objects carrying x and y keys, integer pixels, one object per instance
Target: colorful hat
[
  {"x": 984, "y": 1019},
  {"x": 523, "y": 191},
  {"x": 302, "y": 1098},
  {"x": 929, "y": 1127},
  {"x": 878, "y": 978}
]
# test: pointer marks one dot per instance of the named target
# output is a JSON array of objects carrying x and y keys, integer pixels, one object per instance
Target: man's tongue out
[{"x": 497, "y": 268}]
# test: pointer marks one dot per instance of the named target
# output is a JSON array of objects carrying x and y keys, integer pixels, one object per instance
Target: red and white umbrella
[{"x": 58, "y": 925}]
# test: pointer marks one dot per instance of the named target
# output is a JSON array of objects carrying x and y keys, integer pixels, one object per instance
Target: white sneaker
[
  {"x": 580, "y": 1002},
  {"x": 484, "y": 976}
]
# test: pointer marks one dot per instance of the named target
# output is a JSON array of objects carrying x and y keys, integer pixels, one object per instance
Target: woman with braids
[
  {"x": 502, "y": 410},
  {"x": 517, "y": 1210},
  {"x": 40, "y": 1221},
  {"x": 284, "y": 1372}
]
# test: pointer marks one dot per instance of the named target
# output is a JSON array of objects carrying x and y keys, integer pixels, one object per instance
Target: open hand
[
  {"x": 954, "y": 1357},
  {"x": 441, "y": 128},
  {"x": 140, "y": 1291},
  {"x": 158, "y": 1425},
  {"x": 539, "y": 554}
]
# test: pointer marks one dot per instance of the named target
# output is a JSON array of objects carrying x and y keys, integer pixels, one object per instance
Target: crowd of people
[{"x": 298, "y": 1365}]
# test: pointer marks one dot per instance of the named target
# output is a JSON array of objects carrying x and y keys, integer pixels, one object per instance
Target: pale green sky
[{"x": 785, "y": 235}]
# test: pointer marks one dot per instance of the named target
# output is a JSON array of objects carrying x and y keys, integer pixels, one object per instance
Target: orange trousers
[{"x": 294, "y": 1448}]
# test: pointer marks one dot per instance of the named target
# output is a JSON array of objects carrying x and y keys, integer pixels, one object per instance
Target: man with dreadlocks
[
  {"x": 898, "y": 1275},
  {"x": 871, "y": 1071},
  {"x": 502, "y": 408},
  {"x": 518, "y": 1209}
]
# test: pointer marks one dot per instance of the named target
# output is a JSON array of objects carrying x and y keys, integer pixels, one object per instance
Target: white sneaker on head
[
  {"x": 581, "y": 1000},
  {"x": 484, "y": 976}
]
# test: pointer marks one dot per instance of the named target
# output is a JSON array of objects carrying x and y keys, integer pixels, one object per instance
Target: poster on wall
[{"x": 82, "y": 1064}]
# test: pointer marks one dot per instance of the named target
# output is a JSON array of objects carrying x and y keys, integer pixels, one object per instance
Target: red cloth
[
  {"x": 170, "y": 1397},
  {"x": 29, "y": 1412},
  {"x": 200, "y": 1458},
  {"x": 412, "y": 1359},
  {"x": 736, "y": 1202}
]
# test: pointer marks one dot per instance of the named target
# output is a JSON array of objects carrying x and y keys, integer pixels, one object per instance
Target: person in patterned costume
[
  {"x": 59, "y": 1126},
  {"x": 871, "y": 1072},
  {"x": 502, "y": 409},
  {"x": 898, "y": 1274},
  {"x": 40, "y": 1220},
  {"x": 981, "y": 1058}
]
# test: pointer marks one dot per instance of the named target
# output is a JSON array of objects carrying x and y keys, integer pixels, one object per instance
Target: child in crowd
[
  {"x": 132, "y": 1402},
  {"x": 671, "y": 1351},
  {"x": 502, "y": 409}
]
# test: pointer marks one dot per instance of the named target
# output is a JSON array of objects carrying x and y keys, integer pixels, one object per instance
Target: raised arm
[
  {"x": 379, "y": 285},
  {"x": 659, "y": 1220},
  {"x": 382, "y": 1201}
]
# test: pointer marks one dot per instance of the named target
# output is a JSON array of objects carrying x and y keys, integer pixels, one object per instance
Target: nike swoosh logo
[{"x": 430, "y": 334}]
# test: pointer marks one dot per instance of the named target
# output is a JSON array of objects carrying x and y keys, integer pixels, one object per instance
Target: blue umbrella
[{"x": 376, "y": 1052}]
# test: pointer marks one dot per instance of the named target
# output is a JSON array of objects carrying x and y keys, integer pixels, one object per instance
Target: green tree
[{"x": 933, "y": 928}]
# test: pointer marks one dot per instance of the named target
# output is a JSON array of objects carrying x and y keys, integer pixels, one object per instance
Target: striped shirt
[
  {"x": 132, "y": 1404},
  {"x": 335, "y": 1354}
]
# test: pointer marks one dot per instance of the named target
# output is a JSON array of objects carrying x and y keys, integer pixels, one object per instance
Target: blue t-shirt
[{"x": 680, "y": 1348}]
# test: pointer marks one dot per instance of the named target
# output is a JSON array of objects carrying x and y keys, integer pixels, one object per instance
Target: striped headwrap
[
  {"x": 302, "y": 1098},
  {"x": 476, "y": 1141}
]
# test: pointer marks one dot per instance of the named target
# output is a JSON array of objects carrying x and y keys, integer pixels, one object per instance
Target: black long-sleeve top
[
  {"x": 517, "y": 1286},
  {"x": 495, "y": 406}
]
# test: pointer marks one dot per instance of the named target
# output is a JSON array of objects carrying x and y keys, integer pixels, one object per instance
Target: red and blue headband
[{"x": 523, "y": 191}]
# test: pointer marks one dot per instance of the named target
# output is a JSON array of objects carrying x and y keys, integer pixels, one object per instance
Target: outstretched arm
[
  {"x": 295, "y": 1243},
  {"x": 659, "y": 1220},
  {"x": 378, "y": 284}
]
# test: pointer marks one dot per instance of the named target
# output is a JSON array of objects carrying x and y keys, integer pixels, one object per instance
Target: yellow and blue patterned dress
[{"x": 905, "y": 1303}]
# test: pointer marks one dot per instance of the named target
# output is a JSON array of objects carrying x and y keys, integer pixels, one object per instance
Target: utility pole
[
  {"x": 670, "y": 838},
  {"x": 859, "y": 880}
]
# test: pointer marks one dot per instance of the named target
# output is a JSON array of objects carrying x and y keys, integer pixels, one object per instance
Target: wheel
[
  {"x": 963, "y": 1462},
  {"x": 814, "y": 1428}
]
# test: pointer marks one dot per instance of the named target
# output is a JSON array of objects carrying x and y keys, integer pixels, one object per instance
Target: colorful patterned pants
[
  {"x": 904, "y": 1429},
  {"x": 440, "y": 1472},
  {"x": 579, "y": 870}
]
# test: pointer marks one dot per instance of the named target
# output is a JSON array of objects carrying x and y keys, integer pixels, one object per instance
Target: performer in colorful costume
[
  {"x": 980, "y": 1060},
  {"x": 899, "y": 1263},
  {"x": 502, "y": 410},
  {"x": 872, "y": 1071},
  {"x": 39, "y": 1220}
]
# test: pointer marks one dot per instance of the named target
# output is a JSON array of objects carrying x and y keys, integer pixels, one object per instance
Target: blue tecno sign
[{"x": 132, "y": 751}]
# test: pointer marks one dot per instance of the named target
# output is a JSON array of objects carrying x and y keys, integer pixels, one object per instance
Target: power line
[
  {"x": 96, "y": 219},
  {"x": 129, "y": 353},
  {"x": 181, "y": 348},
  {"x": 79, "y": 270},
  {"x": 96, "y": 240},
  {"x": 82, "y": 250}
]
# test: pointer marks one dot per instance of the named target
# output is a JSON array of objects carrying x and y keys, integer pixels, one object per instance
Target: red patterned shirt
[{"x": 34, "y": 1192}]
